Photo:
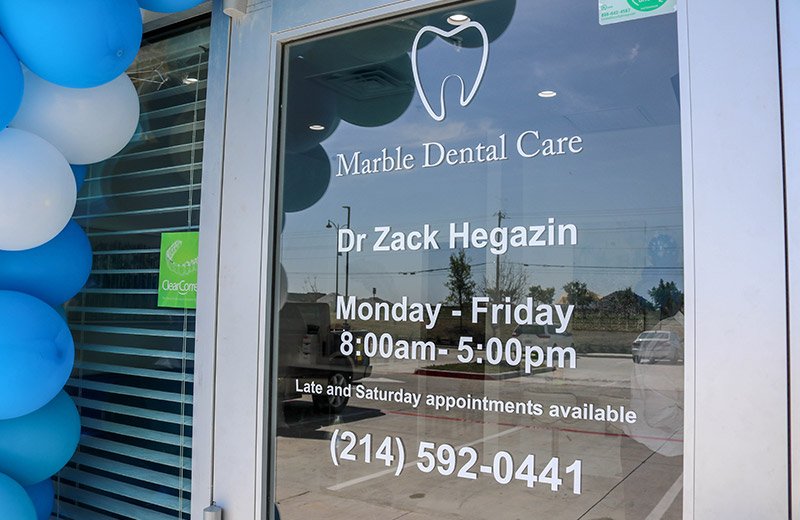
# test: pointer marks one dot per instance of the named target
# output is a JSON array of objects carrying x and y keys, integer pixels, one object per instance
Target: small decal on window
[
  {"x": 614, "y": 11},
  {"x": 177, "y": 270}
]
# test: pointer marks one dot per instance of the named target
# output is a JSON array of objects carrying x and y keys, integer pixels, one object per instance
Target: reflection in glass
[{"x": 507, "y": 334}]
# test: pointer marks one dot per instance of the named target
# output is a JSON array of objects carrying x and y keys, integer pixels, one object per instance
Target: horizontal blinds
[{"x": 133, "y": 376}]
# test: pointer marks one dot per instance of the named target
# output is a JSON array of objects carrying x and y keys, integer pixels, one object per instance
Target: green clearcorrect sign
[
  {"x": 614, "y": 11},
  {"x": 177, "y": 270}
]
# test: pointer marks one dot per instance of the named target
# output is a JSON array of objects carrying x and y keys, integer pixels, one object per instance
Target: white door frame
[{"x": 737, "y": 386}]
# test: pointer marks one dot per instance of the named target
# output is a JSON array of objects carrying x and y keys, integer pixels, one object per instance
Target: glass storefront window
[
  {"x": 134, "y": 370},
  {"x": 481, "y": 305}
]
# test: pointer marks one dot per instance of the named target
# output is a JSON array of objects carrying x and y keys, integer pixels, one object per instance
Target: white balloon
[
  {"x": 37, "y": 190},
  {"x": 86, "y": 124}
]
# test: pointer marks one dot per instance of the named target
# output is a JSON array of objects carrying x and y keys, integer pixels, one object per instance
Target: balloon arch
[{"x": 65, "y": 102}]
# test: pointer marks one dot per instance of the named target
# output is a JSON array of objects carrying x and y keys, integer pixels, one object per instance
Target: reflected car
[
  {"x": 310, "y": 350},
  {"x": 542, "y": 336},
  {"x": 655, "y": 345}
]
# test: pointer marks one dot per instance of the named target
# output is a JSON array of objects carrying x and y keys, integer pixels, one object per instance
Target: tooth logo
[{"x": 465, "y": 99}]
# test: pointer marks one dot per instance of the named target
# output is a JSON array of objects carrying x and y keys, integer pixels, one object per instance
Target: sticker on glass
[
  {"x": 177, "y": 270},
  {"x": 614, "y": 11}
]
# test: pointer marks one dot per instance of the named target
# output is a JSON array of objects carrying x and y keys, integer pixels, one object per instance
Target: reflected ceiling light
[
  {"x": 316, "y": 128},
  {"x": 547, "y": 94},
  {"x": 190, "y": 81},
  {"x": 457, "y": 19}
]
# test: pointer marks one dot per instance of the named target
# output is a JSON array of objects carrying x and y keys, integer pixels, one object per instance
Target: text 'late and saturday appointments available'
[{"x": 463, "y": 462}]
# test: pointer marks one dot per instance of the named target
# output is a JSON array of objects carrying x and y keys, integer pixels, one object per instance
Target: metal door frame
[
  {"x": 790, "y": 89},
  {"x": 736, "y": 461}
]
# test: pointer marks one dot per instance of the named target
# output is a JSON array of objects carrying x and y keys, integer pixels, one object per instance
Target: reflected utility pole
[
  {"x": 347, "y": 261},
  {"x": 500, "y": 216},
  {"x": 329, "y": 225}
]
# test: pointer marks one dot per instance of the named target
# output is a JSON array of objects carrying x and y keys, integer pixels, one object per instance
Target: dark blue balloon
[
  {"x": 54, "y": 272},
  {"x": 14, "y": 502},
  {"x": 10, "y": 85},
  {"x": 169, "y": 6},
  {"x": 79, "y": 171},
  {"x": 42, "y": 495},
  {"x": 306, "y": 179},
  {"x": 35, "y": 446},
  {"x": 74, "y": 43},
  {"x": 36, "y": 355}
]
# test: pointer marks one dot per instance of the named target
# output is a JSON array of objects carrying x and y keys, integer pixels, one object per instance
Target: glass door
[{"x": 481, "y": 304}]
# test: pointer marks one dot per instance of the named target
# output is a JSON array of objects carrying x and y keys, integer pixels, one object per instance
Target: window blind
[{"x": 133, "y": 374}]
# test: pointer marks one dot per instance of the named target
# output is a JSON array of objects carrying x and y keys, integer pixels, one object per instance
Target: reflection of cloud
[{"x": 634, "y": 53}]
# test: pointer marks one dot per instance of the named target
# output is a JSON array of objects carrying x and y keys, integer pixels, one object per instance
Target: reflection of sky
[{"x": 623, "y": 191}]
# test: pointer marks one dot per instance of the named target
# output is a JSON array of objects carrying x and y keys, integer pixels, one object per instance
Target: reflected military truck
[{"x": 309, "y": 352}]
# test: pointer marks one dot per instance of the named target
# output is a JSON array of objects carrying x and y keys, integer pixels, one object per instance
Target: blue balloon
[
  {"x": 35, "y": 446},
  {"x": 54, "y": 272},
  {"x": 61, "y": 312},
  {"x": 36, "y": 355},
  {"x": 77, "y": 43},
  {"x": 11, "y": 84},
  {"x": 42, "y": 495},
  {"x": 14, "y": 501},
  {"x": 79, "y": 171},
  {"x": 169, "y": 6},
  {"x": 306, "y": 179}
]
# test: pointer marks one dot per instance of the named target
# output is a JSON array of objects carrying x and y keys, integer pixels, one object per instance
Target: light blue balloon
[
  {"x": 10, "y": 84},
  {"x": 79, "y": 171},
  {"x": 14, "y": 501},
  {"x": 169, "y": 6},
  {"x": 54, "y": 272},
  {"x": 74, "y": 43},
  {"x": 42, "y": 495},
  {"x": 35, "y": 446},
  {"x": 36, "y": 355}
]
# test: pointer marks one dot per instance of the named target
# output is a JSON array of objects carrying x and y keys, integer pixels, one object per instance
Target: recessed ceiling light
[
  {"x": 316, "y": 128},
  {"x": 190, "y": 81},
  {"x": 547, "y": 93},
  {"x": 457, "y": 19}
]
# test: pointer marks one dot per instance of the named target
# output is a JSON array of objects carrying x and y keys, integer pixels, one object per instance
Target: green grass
[{"x": 475, "y": 368}]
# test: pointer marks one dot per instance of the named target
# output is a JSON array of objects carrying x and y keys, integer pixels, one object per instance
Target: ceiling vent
[{"x": 366, "y": 82}]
